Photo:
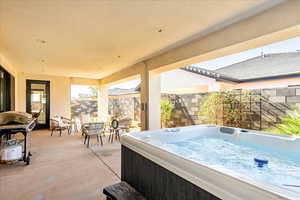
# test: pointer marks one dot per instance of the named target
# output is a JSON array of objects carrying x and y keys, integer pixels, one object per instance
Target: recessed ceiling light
[{"x": 41, "y": 41}]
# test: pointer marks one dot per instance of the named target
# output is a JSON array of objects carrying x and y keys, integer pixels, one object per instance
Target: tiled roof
[
  {"x": 260, "y": 67},
  {"x": 264, "y": 66},
  {"x": 209, "y": 73}
]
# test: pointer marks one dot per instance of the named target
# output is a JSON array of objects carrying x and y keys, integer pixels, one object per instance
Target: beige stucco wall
[
  {"x": 7, "y": 65},
  {"x": 179, "y": 82},
  {"x": 84, "y": 81},
  {"x": 285, "y": 82},
  {"x": 60, "y": 93}
]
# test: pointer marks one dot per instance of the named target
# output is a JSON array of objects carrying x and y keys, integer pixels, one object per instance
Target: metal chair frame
[{"x": 93, "y": 129}]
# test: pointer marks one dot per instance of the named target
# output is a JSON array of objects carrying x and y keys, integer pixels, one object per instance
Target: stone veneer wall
[
  {"x": 277, "y": 101},
  {"x": 191, "y": 105},
  {"x": 121, "y": 106},
  {"x": 125, "y": 107},
  {"x": 84, "y": 107}
]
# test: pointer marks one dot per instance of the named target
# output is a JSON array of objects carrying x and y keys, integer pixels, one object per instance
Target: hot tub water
[
  {"x": 239, "y": 157},
  {"x": 262, "y": 164}
]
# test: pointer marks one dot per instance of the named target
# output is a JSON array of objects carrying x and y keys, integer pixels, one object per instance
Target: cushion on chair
[{"x": 56, "y": 122}]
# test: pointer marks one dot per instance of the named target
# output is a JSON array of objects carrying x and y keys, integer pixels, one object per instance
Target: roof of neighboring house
[
  {"x": 121, "y": 91},
  {"x": 264, "y": 66},
  {"x": 209, "y": 73}
]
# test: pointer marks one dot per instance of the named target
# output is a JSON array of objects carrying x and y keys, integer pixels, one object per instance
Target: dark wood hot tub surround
[{"x": 157, "y": 183}]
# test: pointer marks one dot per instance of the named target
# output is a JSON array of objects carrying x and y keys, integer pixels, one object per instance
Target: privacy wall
[{"x": 266, "y": 106}]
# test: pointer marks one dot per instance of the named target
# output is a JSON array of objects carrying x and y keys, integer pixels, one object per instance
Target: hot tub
[{"x": 210, "y": 162}]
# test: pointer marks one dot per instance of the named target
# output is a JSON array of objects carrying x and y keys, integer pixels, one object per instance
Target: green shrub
[
  {"x": 225, "y": 108},
  {"x": 290, "y": 124},
  {"x": 210, "y": 108},
  {"x": 166, "y": 108}
]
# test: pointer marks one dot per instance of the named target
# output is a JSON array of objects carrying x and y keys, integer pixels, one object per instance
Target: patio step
[{"x": 122, "y": 191}]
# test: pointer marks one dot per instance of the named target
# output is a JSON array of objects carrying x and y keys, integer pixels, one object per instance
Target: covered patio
[
  {"x": 91, "y": 50},
  {"x": 100, "y": 43},
  {"x": 62, "y": 168}
]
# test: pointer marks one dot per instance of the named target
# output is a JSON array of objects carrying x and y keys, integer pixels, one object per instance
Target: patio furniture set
[
  {"x": 91, "y": 129},
  {"x": 98, "y": 129}
]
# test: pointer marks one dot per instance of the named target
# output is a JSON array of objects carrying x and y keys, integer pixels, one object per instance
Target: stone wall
[
  {"x": 84, "y": 107},
  {"x": 186, "y": 108},
  {"x": 274, "y": 104},
  {"x": 125, "y": 107}
]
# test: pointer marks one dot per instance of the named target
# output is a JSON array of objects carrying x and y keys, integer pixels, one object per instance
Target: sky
[
  {"x": 283, "y": 46},
  {"x": 78, "y": 89},
  {"x": 278, "y": 47}
]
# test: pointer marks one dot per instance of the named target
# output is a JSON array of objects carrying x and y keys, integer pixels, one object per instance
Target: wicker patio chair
[
  {"x": 93, "y": 130},
  {"x": 124, "y": 124},
  {"x": 60, "y": 124}
]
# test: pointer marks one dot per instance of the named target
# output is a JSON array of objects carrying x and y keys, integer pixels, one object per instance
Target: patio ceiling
[{"x": 89, "y": 38}]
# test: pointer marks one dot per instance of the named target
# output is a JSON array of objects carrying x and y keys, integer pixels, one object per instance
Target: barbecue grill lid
[{"x": 15, "y": 117}]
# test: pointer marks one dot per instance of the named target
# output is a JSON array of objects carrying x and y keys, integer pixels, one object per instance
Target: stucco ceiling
[{"x": 94, "y": 38}]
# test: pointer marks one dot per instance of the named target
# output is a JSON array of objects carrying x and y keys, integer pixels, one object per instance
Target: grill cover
[{"x": 14, "y": 117}]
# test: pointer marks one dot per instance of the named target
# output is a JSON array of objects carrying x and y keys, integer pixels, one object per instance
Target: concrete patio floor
[{"x": 61, "y": 168}]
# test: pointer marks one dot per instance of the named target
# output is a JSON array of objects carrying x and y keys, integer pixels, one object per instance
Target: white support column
[
  {"x": 102, "y": 103},
  {"x": 154, "y": 101},
  {"x": 150, "y": 100},
  {"x": 144, "y": 94}
]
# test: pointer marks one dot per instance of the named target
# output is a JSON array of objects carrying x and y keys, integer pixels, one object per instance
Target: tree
[{"x": 93, "y": 92}]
